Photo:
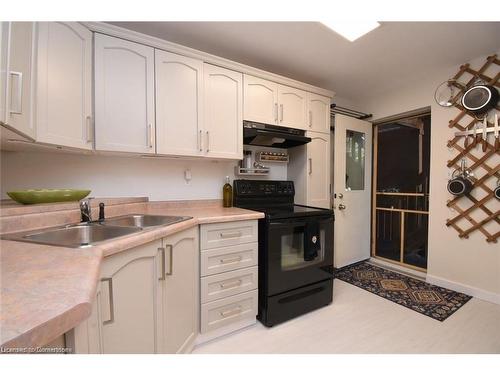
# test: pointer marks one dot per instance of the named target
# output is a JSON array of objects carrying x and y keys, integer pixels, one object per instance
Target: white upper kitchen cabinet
[
  {"x": 4, "y": 48},
  {"x": 260, "y": 100},
  {"x": 124, "y": 96},
  {"x": 318, "y": 170},
  {"x": 292, "y": 107},
  {"x": 318, "y": 113},
  {"x": 223, "y": 113},
  {"x": 17, "y": 72},
  {"x": 64, "y": 85},
  {"x": 179, "y": 104}
]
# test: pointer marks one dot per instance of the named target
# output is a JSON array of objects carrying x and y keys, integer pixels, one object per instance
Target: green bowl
[{"x": 33, "y": 196}]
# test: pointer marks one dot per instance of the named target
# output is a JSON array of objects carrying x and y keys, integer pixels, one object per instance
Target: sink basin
[
  {"x": 144, "y": 221},
  {"x": 79, "y": 235}
]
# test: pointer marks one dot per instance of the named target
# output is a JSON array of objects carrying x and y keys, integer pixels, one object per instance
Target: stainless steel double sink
[{"x": 88, "y": 234}]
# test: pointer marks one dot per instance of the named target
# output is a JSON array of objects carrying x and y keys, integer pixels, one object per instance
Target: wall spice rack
[{"x": 484, "y": 165}]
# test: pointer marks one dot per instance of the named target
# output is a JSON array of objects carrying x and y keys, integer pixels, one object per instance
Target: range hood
[{"x": 257, "y": 134}]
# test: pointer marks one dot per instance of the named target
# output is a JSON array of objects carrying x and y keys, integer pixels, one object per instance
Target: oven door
[{"x": 287, "y": 267}]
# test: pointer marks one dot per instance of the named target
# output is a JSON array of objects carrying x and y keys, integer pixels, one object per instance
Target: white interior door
[{"x": 352, "y": 189}]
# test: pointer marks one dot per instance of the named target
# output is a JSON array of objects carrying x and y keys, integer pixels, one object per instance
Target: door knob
[
  {"x": 340, "y": 195},
  {"x": 342, "y": 206}
]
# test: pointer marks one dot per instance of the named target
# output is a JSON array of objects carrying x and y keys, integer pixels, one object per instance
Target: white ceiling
[{"x": 312, "y": 53}]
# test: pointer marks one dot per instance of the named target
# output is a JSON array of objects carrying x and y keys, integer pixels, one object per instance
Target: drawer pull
[
  {"x": 230, "y": 234},
  {"x": 231, "y": 260},
  {"x": 231, "y": 284},
  {"x": 231, "y": 312}
]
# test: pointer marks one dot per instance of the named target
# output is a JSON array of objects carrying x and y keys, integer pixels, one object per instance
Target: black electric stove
[{"x": 295, "y": 250}]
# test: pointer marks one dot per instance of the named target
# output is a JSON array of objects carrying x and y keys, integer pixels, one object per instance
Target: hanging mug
[
  {"x": 496, "y": 191},
  {"x": 461, "y": 184}
]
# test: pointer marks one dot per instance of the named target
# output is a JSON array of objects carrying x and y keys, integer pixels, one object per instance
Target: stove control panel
[{"x": 263, "y": 188}]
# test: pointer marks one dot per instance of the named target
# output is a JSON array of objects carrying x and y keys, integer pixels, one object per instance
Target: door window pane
[{"x": 355, "y": 161}]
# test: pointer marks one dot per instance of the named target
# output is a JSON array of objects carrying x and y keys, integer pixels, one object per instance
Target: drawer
[
  {"x": 228, "y": 258},
  {"x": 228, "y": 310},
  {"x": 228, "y": 234},
  {"x": 228, "y": 284}
]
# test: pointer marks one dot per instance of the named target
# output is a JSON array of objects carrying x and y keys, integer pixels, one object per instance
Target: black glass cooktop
[{"x": 288, "y": 211}]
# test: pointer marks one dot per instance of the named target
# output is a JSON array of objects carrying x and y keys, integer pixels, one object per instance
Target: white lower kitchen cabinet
[
  {"x": 309, "y": 168},
  {"x": 147, "y": 300},
  {"x": 64, "y": 85},
  {"x": 229, "y": 277},
  {"x": 179, "y": 299}
]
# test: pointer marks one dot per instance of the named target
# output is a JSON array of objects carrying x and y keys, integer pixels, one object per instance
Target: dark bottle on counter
[{"x": 227, "y": 194}]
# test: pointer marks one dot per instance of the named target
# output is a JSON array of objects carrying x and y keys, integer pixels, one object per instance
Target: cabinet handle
[
  {"x": 111, "y": 304},
  {"x": 231, "y": 312},
  {"x": 310, "y": 119},
  {"x": 230, "y": 234},
  {"x": 171, "y": 257},
  {"x": 276, "y": 112},
  {"x": 208, "y": 141},
  {"x": 200, "y": 136},
  {"x": 162, "y": 249},
  {"x": 88, "y": 123},
  {"x": 231, "y": 260},
  {"x": 18, "y": 107},
  {"x": 150, "y": 136},
  {"x": 230, "y": 284},
  {"x": 281, "y": 112},
  {"x": 310, "y": 166}
]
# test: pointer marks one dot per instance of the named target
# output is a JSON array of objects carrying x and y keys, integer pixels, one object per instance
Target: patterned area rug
[{"x": 433, "y": 301}]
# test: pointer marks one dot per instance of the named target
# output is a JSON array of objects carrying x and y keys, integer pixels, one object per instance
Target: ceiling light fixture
[{"x": 351, "y": 30}]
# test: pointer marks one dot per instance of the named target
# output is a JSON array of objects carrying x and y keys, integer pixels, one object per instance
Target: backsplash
[{"x": 116, "y": 176}]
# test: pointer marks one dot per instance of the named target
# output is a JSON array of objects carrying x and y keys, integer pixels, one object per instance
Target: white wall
[
  {"x": 471, "y": 265},
  {"x": 114, "y": 176}
]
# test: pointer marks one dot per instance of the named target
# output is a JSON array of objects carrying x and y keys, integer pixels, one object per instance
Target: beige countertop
[{"x": 47, "y": 290}]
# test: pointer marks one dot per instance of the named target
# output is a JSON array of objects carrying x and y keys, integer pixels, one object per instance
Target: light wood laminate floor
[{"x": 360, "y": 322}]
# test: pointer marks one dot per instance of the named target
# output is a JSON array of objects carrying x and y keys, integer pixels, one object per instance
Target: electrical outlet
[{"x": 188, "y": 176}]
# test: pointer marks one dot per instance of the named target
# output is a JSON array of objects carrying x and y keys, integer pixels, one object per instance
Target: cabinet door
[
  {"x": 180, "y": 302},
  {"x": 20, "y": 69},
  {"x": 260, "y": 100},
  {"x": 318, "y": 113},
  {"x": 128, "y": 300},
  {"x": 179, "y": 88},
  {"x": 292, "y": 107},
  {"x": 223, "y": 113},
  {"x": 64, "y": 82},
  {"x": 318, "y": 170},
  {"x": 4, "y": 49},
  {"x": 124, "y": 96}
]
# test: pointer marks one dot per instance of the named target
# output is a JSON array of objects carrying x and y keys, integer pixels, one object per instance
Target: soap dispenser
[{"x": 227, "y": 194}]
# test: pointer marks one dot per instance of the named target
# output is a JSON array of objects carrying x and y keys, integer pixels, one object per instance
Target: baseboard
[
  {"x": 397, "y": 268},
  {"x": 229, "y": 329},
  {"x": 471, "y": 291}
]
